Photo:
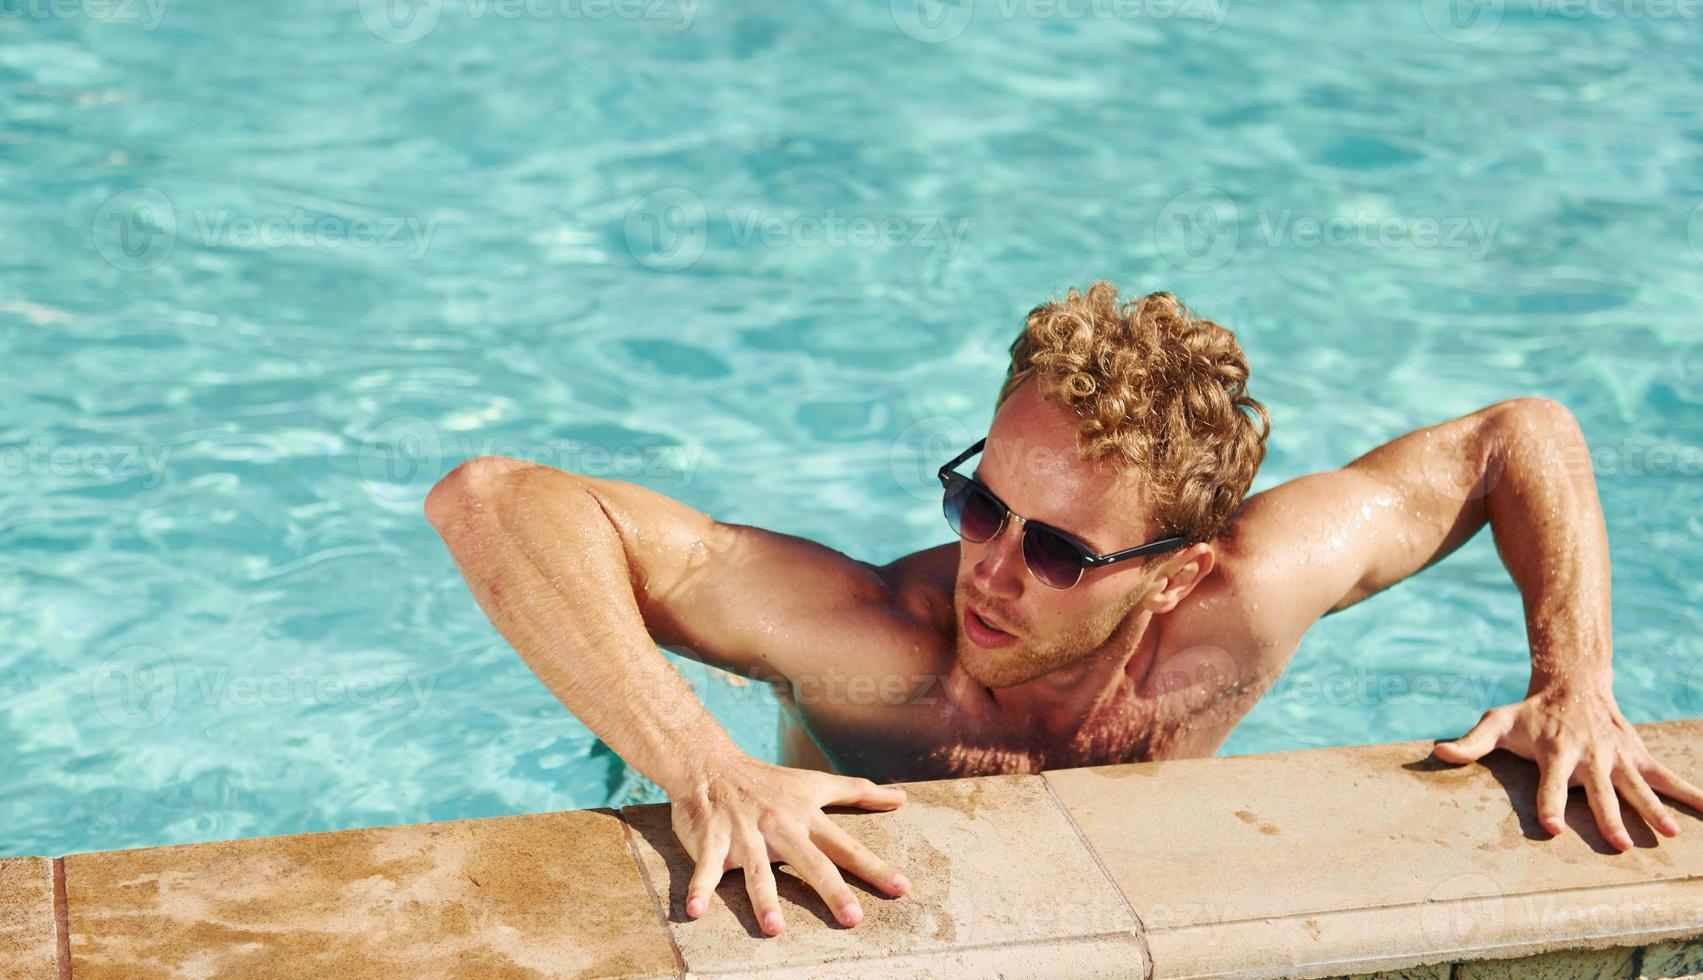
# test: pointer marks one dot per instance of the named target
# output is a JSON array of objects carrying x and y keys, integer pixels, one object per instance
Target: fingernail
[
  {"x": 772, "y": 923},
  {"x": 901, "y": 883},
  {"x": 695, "y": 907},
  {"x": 851, "y": 915}
]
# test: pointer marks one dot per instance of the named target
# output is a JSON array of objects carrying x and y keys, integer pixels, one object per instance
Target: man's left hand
[{"x": 1579, "y": 738}]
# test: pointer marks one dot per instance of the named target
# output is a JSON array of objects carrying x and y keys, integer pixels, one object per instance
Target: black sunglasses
[{"x": 1056, "y": 558}]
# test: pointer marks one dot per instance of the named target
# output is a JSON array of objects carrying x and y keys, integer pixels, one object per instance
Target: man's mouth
[{"x": 983, "y": 633}]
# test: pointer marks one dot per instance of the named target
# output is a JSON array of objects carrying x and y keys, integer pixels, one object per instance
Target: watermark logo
[
  {"x": 939, "y": 21},
  {"x": 1694, "y": 231},
  {"x": 916, "y": 455},
  {"x": 135, "y": 688},
  {"x": 401, "y": 21},
  {"x": 1199, "y": 676},
  {"x": 667, "y": 229},
  {"x": 401, "y": 460},
  {"x": 136, "y": 230},
  {"x": 1462, "y": 912},
  {"x": 933, "y": 21},
  {"x": 407, "y": 21},
  {"x": 1198, "y": 229},
  {"x": 1694, "y": 688},
  {"x": 147, "y": 13},
  {"x": 102, "y": 461},
  {"x": 1462, "y": 21},
  {"x": 1470, "y": 21}
]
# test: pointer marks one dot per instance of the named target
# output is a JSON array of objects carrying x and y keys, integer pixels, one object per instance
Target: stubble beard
[{"x": 1025, "y": 660}]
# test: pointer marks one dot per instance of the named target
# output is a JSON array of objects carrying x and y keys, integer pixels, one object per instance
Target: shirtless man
[{"x": 1017, "y": 648}]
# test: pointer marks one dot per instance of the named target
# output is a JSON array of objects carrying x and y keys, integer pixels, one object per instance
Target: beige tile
[
  {"x": 1676, "y": 959},
  {"x": 1302, "y": 855},
  {"x": 28, "y": 946},
  {"x": 1600, "y": 964},
  {"x": 1410, "y": 938},
  {"x": 991, "y": 861},
  {"x": 1108, "y": 957},
  {"x": 544, "y": 895}
]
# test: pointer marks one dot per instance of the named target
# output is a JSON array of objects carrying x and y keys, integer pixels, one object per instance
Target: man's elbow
[
  {"x": 476, "y": 483},
  {"x": 1536, "y": 414}
]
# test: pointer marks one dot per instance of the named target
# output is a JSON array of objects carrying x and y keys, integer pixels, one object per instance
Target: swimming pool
[{"x": 266, "y": 271}]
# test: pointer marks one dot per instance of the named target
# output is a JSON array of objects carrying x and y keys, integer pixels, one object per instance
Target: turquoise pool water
[{"x": 267, "y": 270}]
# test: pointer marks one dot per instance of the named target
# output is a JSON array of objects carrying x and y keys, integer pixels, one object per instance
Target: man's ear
[{"x": 1188, "y": 569}]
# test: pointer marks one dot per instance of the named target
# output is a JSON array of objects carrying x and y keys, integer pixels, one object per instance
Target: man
[{"x": 1112, "y": 598}]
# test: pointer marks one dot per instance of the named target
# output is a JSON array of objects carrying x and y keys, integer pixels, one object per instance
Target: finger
[
  {"x": 865, "y": 794},
  {"x": 1638, "y": 793},
  {"x": 809, "y": 861},
  {"x": 1554, "y": 772},
  {"x": 760, "y": 883},
  {"x": 1605, "y": 803},
  {"x": 706, "y": 876},
  {"x": 848, "y": 852},
  {"x": 1665, "y": 781},
  {"x": 1476, "y": 743}
]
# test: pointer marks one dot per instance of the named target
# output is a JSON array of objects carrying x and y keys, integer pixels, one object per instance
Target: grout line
[
  {"x": 650, "y": 889},
  {"x": 1140, "y": 926},
  {"x": 1432, "y": 903},
  {"x": 1038, "y": 942},
  {"x": 61, "y": 921}
]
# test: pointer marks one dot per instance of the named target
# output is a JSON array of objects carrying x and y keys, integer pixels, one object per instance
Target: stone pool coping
[{"x": 1316, "y": 863}]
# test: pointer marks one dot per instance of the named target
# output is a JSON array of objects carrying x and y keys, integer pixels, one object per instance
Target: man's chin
[{"x": 994, "y": 668}]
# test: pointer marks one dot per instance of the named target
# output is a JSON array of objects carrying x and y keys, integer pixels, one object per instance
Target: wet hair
[{"x": 1159, "y": 392}]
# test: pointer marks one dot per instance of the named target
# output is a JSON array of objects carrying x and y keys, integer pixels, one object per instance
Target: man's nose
[{"x": 1000, "y": 571}]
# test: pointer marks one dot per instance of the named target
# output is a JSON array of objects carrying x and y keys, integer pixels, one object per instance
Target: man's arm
[
  {"x": 1329, "y": 540},
  {"x": 577, "y": 574}
]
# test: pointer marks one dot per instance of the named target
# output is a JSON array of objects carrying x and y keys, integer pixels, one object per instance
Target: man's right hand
[{"x": 747, "y": 813}]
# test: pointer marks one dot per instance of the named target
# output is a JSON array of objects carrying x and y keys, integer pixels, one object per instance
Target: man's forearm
[
  {"x": 1548, "y": 525},
  {"x": 546, "y": 565}
]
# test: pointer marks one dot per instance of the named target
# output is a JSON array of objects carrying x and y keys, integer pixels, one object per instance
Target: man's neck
[{"x": 1058, "y": 705}]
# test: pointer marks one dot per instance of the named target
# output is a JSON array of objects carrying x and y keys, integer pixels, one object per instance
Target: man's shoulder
[
  {"x": 1232, "y": 621},
  {"x": 921, "y": 585}
]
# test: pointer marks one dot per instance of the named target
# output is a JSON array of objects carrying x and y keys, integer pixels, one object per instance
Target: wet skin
[{"x": 956, "y": 661}]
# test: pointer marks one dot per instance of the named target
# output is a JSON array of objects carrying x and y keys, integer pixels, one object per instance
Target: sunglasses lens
[
  {"x": 1055, "y": 561},
  {"x": 971, "y": 512}
]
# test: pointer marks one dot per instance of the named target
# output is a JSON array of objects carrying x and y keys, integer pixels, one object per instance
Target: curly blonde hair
[{"x": 1159, "y": 391}]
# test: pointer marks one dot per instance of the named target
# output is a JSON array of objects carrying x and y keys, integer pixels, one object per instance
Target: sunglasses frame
[{"x": 1087, "y": 557}]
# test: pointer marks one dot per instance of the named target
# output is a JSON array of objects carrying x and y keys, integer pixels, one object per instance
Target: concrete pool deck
[{"x": 1320, "y": 863}]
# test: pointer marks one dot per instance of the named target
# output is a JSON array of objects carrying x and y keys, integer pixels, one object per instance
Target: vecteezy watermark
[
  {"x": 401, "y": 459},
  {"x": 134, "y": 688},
  {"x": 668, "y": 229},
  {"x": 138, "y": 229},
  {"x": 1201, "y": 229},
  {"x": 916, "y": 455},
  {"x": 405, "y": 21},
  {"x": 1694, "y": 231},
  {"x": 301, "y": 687},
  {"x": 105, "y": 462},
  {"x": 938, "y": 21},
  {"x": 1462, "y": 912},
  {"x": 1469, "y": 21},
  {"x": 1364, "y": 687},
  {"x": 138, "y": 687},
  {"x": 831, "y": 229},
  {"x": 145, "y": 13}
]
